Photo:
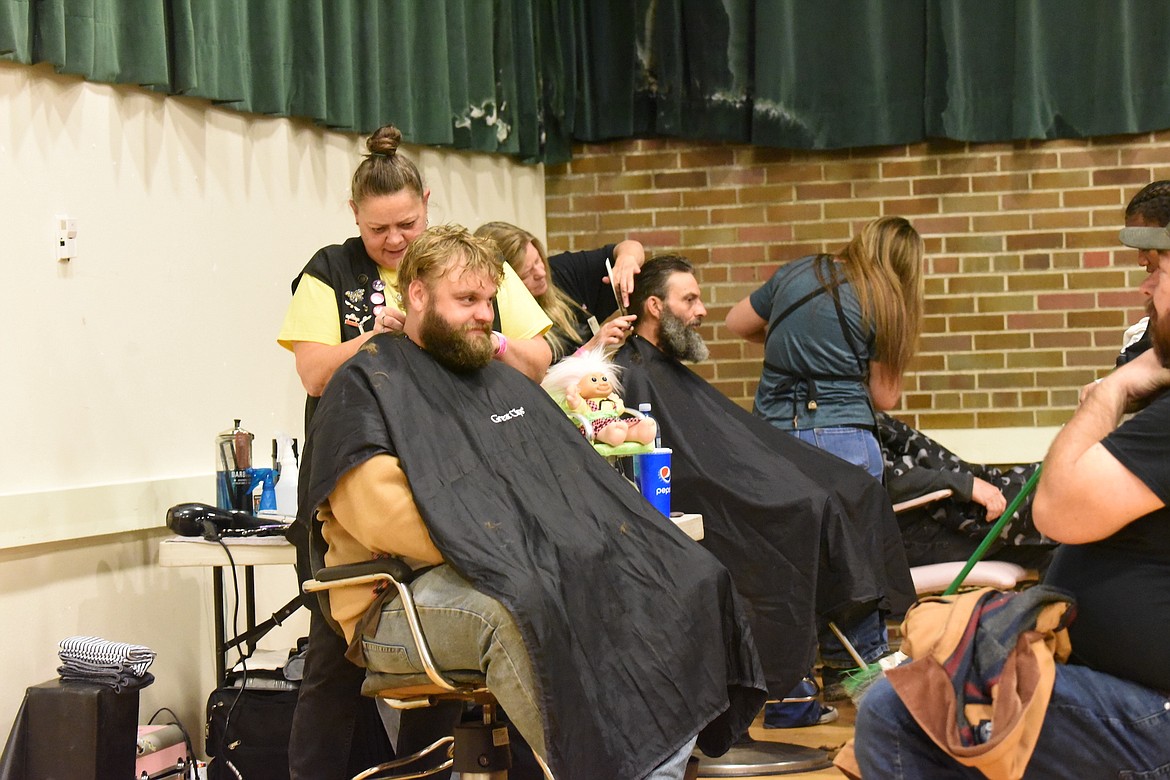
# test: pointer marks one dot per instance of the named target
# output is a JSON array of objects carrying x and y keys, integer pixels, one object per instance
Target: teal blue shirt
[{"x": 809, "y": 344}]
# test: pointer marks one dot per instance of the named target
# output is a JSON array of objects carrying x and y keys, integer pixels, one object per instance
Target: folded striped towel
[
  {"x": 123, "y": 681},
  {"x": 91, "y": 653}
]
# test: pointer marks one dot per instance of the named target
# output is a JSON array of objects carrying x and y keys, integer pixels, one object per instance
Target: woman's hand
[
  {"x": 389, "y": 320},
  {"x": 612, "y": 334},
  {"x": 628, "y": 257},
  {"x": 990, "y": 497}
]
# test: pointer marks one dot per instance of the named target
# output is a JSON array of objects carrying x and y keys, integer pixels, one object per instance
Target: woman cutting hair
[
  {"x": 838, "y": 333},
  {"x": 573, "y": 288},
  {"x": 346, "y": 294}
]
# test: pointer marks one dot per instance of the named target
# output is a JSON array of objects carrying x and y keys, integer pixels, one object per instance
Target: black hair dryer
[{"x": 214, "y": 523}]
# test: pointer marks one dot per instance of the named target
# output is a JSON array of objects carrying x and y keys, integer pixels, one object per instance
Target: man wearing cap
[{"x": 1103, "y": 494}]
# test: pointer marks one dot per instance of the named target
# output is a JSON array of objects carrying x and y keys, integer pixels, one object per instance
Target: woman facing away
[
  {"x": 838, "y": 333},
  {"x": 573, "y": 288}
]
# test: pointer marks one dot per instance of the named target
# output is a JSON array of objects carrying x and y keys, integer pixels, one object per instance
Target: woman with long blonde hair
[
  {"x": 839, "y": 332},
  {"x": 573, "y": 288}
]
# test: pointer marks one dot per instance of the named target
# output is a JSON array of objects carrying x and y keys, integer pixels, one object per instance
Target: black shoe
[{"x": 832, "y": 688}]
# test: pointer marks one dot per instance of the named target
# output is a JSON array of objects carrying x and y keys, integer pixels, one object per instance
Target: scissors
[{"x": 617, "y": 295}]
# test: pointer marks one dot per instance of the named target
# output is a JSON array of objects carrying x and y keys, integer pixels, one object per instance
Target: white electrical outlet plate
[{"x": 66, "y": 237}]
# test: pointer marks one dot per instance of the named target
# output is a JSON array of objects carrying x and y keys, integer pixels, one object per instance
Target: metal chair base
[{"x": 749, "y": 759}]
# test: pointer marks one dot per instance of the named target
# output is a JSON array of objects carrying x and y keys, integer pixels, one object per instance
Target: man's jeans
[
  {"x": 1096, "y": 726},
  {"x": 469, "y": 630}
]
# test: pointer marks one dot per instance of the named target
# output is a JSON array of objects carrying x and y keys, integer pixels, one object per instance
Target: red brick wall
[{"x": 1027, "y": 288}]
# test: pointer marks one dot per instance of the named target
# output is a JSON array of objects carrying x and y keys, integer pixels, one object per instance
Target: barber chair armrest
[
  {"x": 393, "y": 571},
  {"x": 923, "y": 500},
  {"x": 389, "y": 569}
]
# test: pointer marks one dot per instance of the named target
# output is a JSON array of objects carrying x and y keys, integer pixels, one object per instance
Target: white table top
[
  {"x": 274, "y": 550},
  {"x": 690, "y": 523},
  {"x": 196, "y": 551}
]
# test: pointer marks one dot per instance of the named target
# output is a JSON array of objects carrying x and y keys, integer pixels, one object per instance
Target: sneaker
[
  {"x": 778, "y": 715},
  {"x": 799, "y": 708}
]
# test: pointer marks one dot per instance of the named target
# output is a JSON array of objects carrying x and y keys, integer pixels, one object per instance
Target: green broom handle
[{"x": 981, "y": 550}]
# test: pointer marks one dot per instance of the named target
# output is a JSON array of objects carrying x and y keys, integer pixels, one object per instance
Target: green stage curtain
[
  {"x": 1047, "y": 68},
  {"x": 14, "y": 35},
  {"x": 467, "y": 73},
  {"x": 530, "y": 77}
]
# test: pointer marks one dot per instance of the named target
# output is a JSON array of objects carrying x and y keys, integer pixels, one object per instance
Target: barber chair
[
  {"x": 477, "y": 751},
  {"x": 755, "y": 758}
]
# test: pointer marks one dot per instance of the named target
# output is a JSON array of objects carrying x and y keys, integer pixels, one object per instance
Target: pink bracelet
[{"x": 502, "y": 340}]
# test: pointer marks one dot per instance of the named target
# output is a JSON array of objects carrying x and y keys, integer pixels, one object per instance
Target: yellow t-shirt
[{"x": 312, "y": 313}]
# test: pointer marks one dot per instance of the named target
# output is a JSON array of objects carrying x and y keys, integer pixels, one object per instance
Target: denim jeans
[
  {"x": 1096, "y": 726},
  {"x": 868, "y": 635},
  {"x": 468, "y": 630},
  {"x": 857, "y": 446}
]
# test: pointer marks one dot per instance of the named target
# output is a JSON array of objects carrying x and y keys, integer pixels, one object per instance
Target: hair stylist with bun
[{"x": 346, "y": 294}]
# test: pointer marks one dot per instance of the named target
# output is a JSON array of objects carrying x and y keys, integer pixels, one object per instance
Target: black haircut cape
[
  {"x": 803, "y": 532},
  {"x": 635, "y": 631}
]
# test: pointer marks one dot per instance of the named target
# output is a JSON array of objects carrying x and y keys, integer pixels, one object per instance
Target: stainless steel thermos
[{"x": 233, "y": 477}]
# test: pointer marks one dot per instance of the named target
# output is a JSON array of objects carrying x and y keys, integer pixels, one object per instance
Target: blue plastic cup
[{"x": 652, "y": 475}]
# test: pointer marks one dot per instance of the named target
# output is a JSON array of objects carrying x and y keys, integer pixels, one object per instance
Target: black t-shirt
[
  {"x": 578, "y": 275},
  {"x": 1122, "y": 584}
]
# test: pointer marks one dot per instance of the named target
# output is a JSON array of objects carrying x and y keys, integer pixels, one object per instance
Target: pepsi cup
[{"x": 652, "y": 475}]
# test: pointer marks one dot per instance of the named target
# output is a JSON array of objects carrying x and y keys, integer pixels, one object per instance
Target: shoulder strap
[
  {"x": 252, "y": 635},
  {"x": 862, "y": 369},
  {"x": 784, "y": 314}
]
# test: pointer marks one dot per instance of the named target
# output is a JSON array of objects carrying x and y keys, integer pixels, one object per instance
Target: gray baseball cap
[{"x": 1146, "y": 237}]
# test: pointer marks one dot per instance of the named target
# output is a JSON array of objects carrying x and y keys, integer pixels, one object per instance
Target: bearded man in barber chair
[
  {"x": 808, "y": 537},
  {"x": 608, "y": 636}
]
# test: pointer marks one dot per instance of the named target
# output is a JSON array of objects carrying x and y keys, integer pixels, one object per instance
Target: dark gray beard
[
  {"x": 679, "y": 340},
  {"x": 1159, "y": 334},
  {"x": 455, "y": 348}
]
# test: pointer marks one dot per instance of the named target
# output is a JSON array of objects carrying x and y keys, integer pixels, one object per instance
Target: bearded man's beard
[
  {"x": 459, "y": 348},
  {"x": 680, "y": 340},
  {"x": 1159, "y": 329}
]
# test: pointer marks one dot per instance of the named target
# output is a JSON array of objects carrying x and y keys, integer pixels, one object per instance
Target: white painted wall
[{"x": 120, "y": 366}]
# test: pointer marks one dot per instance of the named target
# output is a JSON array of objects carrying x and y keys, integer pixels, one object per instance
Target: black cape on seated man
[
  {"x": 799, "y": 528},
  {"x": 635, "y": 631}
]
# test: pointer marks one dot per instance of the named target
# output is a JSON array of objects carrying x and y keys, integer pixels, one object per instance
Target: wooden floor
[{"x": 829, "y": 737}]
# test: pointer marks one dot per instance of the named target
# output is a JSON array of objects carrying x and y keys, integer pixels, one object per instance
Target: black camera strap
[{"x": 256, "y": 632}]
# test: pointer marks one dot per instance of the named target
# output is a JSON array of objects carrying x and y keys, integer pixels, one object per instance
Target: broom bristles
[{"x": 857, "y": 681}]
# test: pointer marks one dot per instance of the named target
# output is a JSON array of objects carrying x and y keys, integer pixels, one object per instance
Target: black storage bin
[
  {"x": 80, "y": 731},
  {"x": 249, "y": 728}
]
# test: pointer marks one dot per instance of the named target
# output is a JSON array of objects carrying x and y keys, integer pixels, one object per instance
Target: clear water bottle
[{"x": 645, "y": 410}]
